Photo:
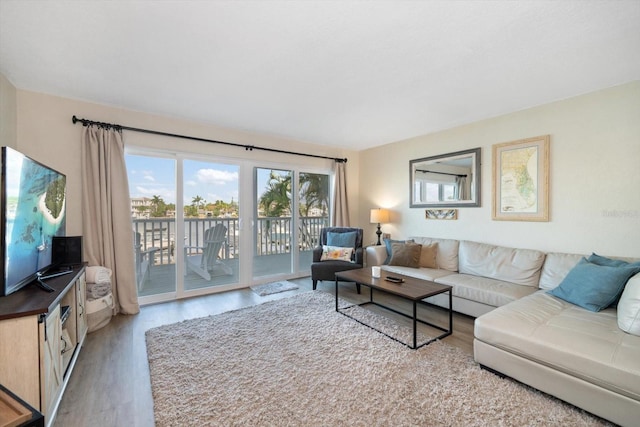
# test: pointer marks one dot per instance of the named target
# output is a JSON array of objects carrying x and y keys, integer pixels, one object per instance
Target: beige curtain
[
  {"x": 106, "y": 213},
  {"x": 340, "y": 204}
]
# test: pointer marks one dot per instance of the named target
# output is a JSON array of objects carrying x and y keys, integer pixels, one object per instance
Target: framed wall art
[
  {"x": 521, "y": 180},
  {"x": 441, "y": 214}
]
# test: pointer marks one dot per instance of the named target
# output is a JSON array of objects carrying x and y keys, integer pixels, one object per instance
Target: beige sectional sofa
[{"x": 577, "y": 355}]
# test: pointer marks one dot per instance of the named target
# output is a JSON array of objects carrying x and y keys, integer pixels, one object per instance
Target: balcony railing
[{"x": 272, "y": 235}]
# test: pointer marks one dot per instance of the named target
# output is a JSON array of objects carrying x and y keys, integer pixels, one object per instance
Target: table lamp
[{"x": 379, "y": 215}]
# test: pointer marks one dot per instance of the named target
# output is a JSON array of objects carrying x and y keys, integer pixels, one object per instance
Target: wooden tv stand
[{"x": 41, "y": 334}]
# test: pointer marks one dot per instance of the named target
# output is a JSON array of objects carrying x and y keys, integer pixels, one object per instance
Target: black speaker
[{"x": 66, "y": 250}]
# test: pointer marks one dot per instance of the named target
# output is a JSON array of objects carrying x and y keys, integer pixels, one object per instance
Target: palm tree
[
  {"x": 196, "y": 201},
  {"x": 276, "y": 200},
  {"x": 158, "y": 206},
  {"x": 314, "y": 192}
]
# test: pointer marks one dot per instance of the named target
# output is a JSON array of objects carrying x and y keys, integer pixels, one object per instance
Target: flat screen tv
[{"x": 33, "y": 211}]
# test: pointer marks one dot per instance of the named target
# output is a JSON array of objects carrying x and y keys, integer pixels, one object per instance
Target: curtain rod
[
  {"x": 86, "y": 122},
  {"x": 441, "y": 173}
]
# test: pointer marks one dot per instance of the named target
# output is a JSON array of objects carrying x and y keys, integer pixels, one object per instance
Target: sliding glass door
[
  {"x": 211, "y": 224},
  {"x": 201, "y": 224},
  {"x": 313, "y": 214},
  {"x": 274, "y": 231},
  {"x": 152, "y": 185},
  {"x": 287, "y": 228}
]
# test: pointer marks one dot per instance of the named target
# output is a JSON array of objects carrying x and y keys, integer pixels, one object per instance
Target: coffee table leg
[
  {"x": 336, "y": 294},
  {"x": 415, "y": 325},
  {"x": 450, "y": 311}
]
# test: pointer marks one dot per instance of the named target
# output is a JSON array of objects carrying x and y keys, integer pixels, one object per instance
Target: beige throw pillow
[
  {"x": 405, "y": 254},
  {"x": 428, "y": 256}
]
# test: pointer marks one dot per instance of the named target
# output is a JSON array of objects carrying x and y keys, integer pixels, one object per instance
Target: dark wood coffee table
[{"x": 411, "y": 289}]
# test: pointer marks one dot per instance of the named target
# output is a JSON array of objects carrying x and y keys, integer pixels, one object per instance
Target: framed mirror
[{"x": 447, "y": 180}]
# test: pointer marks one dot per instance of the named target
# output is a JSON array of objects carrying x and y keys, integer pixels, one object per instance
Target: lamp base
[{"x": 378, "y": 233}]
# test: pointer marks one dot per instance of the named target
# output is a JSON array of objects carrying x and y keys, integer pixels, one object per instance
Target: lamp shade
[{"x": 379, "y": 215}]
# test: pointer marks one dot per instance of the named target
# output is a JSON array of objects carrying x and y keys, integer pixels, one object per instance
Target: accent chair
[{"x": 336, "y": 236}]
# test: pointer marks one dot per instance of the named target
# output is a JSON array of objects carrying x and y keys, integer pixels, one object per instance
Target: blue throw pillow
[
  {"x": 592, "y": 286},
  {"x": 342, "y": 240},
  {"x": 600, "y": 260}
]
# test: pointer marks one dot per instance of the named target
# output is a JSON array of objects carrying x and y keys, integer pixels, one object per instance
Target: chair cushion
[
  {"x": 333, "y": 253},
  {"x": 342, "y": 240},
  {"x": 406, "y": 254}
]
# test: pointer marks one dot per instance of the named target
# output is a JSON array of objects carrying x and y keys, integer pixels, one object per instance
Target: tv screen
[{"x": 33, "y": 211}]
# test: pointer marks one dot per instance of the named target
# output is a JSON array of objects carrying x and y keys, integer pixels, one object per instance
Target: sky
[{"x": 151, "y": 176}]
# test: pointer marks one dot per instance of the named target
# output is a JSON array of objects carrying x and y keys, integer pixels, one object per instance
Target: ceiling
[{"x": 353, "y": 74}]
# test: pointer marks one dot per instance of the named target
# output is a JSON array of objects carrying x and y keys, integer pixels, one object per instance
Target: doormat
[{"x": 274, "y": 288}]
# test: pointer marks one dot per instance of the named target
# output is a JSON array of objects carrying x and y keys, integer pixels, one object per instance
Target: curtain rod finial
[{"x": 74, "y": 119}]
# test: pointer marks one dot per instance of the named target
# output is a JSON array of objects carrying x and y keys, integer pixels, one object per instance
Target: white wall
[
  {"x": 8, "y": 120},
  {"x": 594, "y": 177},
  {"x": 46, "y": 133}
]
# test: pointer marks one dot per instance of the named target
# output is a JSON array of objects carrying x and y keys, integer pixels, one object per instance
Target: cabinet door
[
  {"x": 52, "y": 362},
  {"x": 81, "y": 312},
  {"x": 20, "y": 358}
]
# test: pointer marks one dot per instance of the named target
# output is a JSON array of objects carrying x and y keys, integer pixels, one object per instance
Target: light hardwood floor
[{"x": 110, "y": 385}]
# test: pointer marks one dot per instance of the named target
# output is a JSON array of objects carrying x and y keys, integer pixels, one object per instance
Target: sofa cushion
[
  {"x": 519, "y": 266},
  {"x": 428, "y": 256},
  {"x": 447, "y": 255},
  {"x": 592, "y": 286},
  {"x": 485, "y": 290},
  {"x": 406, "y": 254},
  {"x": 556, "y": 266},
  {"x": 419, "y": 273},
  {"x": 629, "y": 307},
  {"x": 555, "y": 333}
]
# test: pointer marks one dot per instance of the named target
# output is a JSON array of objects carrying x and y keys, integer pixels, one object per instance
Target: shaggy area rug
[
  {"x": 296, "y": 362},
  {"x": 274, "y": 288}
]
